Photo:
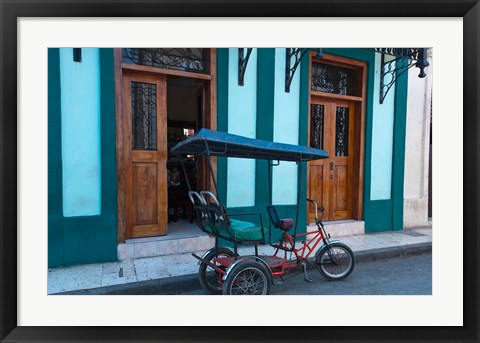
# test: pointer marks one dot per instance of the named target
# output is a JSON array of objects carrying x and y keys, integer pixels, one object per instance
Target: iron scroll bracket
[
  {"x": 404, "y": 59},
  {"x": 291, "y": 66},
  {"x": 242, "y": 64},
  {"x": 391, "y": 70}
]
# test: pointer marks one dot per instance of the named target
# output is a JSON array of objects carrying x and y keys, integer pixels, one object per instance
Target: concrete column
[{"x": 417, "y": 148}]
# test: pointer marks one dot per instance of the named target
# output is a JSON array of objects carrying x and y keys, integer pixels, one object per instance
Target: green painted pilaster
[
  {"x": 303, "y": 140},
  {"x": 265, "y": 112},
  {"x": 399, "y": 137},
  {"x": 222, "y": 116},
  {"x": 55, "y": 200}
]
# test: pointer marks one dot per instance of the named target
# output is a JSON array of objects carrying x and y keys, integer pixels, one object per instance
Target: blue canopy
[{"x": 218, "y": 143}]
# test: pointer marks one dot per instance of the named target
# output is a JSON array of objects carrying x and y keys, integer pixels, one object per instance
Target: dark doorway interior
[{"x": 185, "y": 107}]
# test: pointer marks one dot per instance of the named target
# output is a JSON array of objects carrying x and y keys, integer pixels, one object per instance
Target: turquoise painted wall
[
  {"x": 242, "y": 120},
  {"x": 87, "y": 238},
  {"x": 285, "y": 130},
  {"x": 379, "y": 214},
  {"x": 382, "y": 214},
  {"x": 265, "y": 86},
  {"x": 80, "y": 132},
  {"x": 382, "y": 139}
]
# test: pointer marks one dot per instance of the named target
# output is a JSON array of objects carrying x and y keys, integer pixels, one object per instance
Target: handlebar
[{"x": 316, "y": 209}]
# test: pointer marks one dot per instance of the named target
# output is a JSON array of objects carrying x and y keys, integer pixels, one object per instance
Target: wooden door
[
  {"x": 330, "y": 181},
  {"x": 144, "y": 101}
]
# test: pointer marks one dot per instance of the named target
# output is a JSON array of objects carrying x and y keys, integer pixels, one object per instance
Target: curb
[
  {"x": 185, "y": 283},
  {"x": 398, "y": 251},
  {"x": 164, "y": 286}
]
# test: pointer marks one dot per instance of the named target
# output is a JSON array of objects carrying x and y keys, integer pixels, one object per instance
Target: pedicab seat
[
  {"x": 240, "y": 230},
  {"x": 214, "y": 219}
]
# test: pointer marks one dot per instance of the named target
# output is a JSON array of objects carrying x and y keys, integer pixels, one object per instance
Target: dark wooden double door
[{"x": 331, "y": 180}]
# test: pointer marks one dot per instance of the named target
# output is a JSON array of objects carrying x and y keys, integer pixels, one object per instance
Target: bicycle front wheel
[{"x": 335, "y": 261}]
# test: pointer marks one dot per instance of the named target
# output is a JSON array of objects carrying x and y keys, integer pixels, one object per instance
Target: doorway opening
[
  {"x": 161, "y": 97},
  {"x": 185, "y": 116},
  {"x": 336, "y": 124}
]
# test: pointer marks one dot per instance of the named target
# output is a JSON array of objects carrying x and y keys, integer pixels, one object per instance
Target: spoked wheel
[
  {"x": 248, "y": 278},
  {"x": 209, "y": 277},
  {"x": 336, "y": 261}
]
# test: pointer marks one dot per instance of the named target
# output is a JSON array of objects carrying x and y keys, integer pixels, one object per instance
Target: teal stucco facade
[
  {"x": 80, "y": 237},
  {"x": 379, "y": 214}
]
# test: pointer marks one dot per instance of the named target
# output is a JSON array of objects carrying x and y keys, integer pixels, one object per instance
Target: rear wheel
[
  {"x": 248, "y": 278},
  {"x": 335, "y": 261},
  {"x": 208, "y": 276}
]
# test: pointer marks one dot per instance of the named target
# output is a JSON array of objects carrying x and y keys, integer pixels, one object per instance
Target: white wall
[
  {"x": 417, "y": 148},
  {"x": 80, "y": 108}
]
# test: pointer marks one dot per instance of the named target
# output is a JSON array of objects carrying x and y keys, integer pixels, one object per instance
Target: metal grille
[
  {"x": 185, "y": 59},
  {"x": 144, "y": 116},
  {"x": 341, "y": 131},
  {"x": 331, "y": 79},
  {"x": 316, "y": 126}
]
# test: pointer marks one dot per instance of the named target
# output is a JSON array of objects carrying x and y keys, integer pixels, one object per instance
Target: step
[
  {"x": 341, "y": 228},
  {"x": 196, "y": 240},
  {"x": 150, "y": 247}
]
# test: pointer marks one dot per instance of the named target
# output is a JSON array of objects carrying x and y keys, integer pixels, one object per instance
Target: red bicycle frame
[{"x": 304, "y": 252}]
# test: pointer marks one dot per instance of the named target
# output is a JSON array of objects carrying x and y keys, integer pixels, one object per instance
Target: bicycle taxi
[{"x": 222, "y": 269}]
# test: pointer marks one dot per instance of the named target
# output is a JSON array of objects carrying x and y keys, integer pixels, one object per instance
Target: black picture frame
[{"x": 11, "y": 10}]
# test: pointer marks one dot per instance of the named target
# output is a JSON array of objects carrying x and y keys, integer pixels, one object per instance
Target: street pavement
[
  {"x": 404, "y": 275},
  {"x": 383, "y": 247}
]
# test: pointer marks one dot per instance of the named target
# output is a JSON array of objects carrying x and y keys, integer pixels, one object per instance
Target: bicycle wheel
[
  {"x": 335, "y": 261},
  {"x": 248, "y": 278},
  {"x": 209, "y": 277}
]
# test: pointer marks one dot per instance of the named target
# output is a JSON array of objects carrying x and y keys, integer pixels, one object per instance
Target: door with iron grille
[
  {"x": 330, "y": 180},
  {"x": 142, "y": 123},
  {"x": 145, "y": 150},
  {"x": 337, "y": 125}
]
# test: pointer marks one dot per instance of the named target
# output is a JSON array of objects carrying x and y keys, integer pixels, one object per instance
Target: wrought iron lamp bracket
[
  {"x": 242, "y": 64},
  {"x": 406, "y": 58},
  {"x": 290, "y": 67}
]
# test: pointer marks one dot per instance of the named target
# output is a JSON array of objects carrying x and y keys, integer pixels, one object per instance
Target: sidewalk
[{"x": 366, "y": 247}]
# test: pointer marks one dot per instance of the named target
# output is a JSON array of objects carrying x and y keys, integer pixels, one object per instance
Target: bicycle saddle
[
  {"x": 282, "y": 224},
  {"x": 286, "y": 224}
]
